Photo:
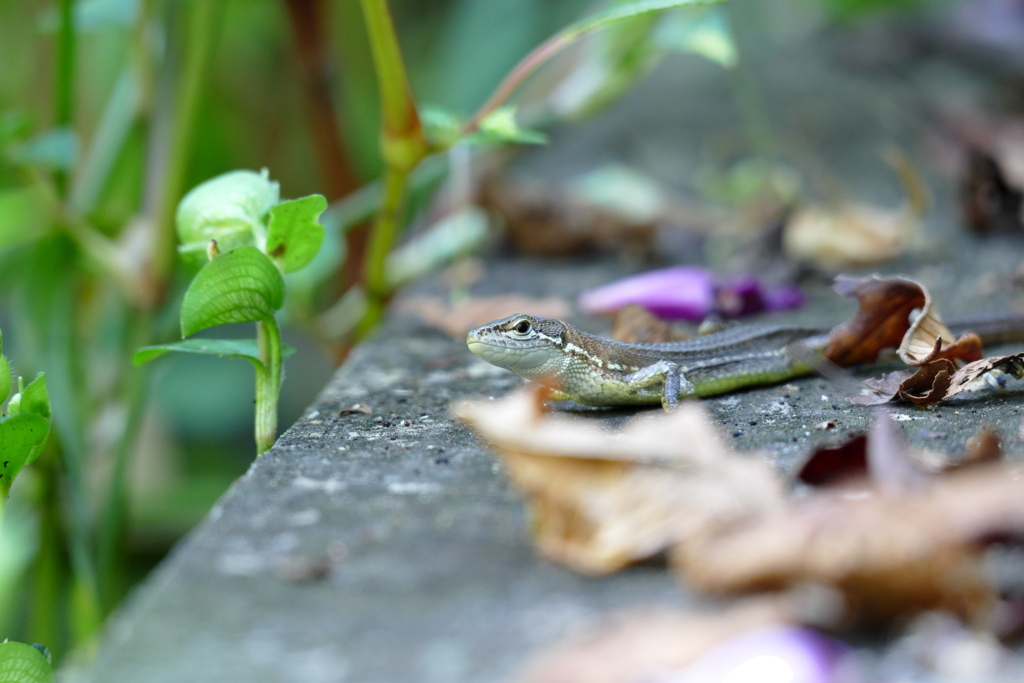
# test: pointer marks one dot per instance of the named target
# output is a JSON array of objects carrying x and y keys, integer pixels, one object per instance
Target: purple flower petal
[
  {"x": 690, "y": 293},
  {"x": 680, "y": 292},
  {"x": 787, "y": 654},
  {"x": 781, "y": 298}
]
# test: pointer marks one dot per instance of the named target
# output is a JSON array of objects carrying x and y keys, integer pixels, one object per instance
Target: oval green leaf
[
  {"x": 35, "y": 399},
  {"x": 294, "y": 235},
  {"x": 241, "y": 285},
  {"x": 228, "y": 208},
  {"x": 21, "y": 663},
  {"x": 21, "y": 440},
  {"x": 232, "y": 348}
]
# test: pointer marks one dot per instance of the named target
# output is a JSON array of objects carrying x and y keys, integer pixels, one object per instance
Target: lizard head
[{"x": 524, "y": 344}]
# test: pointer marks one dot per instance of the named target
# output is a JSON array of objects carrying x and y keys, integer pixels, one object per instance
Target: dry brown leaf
[
  {"x": 937, "y": 380},
  {"x": 550, "y": 221},
  {"x": 989, "y": 201},
  {"x": 972, "y": 372},
  {"x": 851, "y": 234},
  {"x": 981, "y": 449},
  {"x": 882, "y": 321},
  {"x": 356, "y": 409},
  {"x": 886, "y": 460},
  {"x": 857, "y": 234},
  {"x": 456, "y": 320},
  {"x": 641, "y": 645},
  {"x": 601, "y": 499},
  {"x": 889, "y": 555},
  {"x": 635, "y": 324},
  {"x": 837, "y": 465}
]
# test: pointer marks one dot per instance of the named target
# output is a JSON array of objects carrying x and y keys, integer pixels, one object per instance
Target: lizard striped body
[{"x": 604, "y": 372}]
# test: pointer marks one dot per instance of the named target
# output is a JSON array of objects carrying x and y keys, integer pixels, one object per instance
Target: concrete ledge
[{"x": 388, "y": 547}]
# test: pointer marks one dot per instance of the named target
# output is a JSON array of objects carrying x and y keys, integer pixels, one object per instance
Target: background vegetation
[{"x": 110, "y": 110}]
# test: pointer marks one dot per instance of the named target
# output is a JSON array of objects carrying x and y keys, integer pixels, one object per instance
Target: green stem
[
  {"x": 402, "y": 141},
  {"x": 111, "y": 532},
  {"x": 519, "y": 73},
  {"x": 46, "y": 573},
  {"x": 196, "y": 46},
  {"x": 382, "y": 239},
  {"x": 268, "y": 383},
  {"x": 115, "y": 124},
  {"x": 561, "y": 40},
  {"x": 65, "y": 78}
]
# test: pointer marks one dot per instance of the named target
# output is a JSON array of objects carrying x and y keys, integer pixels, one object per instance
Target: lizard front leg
[{"x": 668, "y": 376}]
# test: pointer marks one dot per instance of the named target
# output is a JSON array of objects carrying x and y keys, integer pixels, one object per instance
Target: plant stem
[
  {"x": 402, "y": 147},
  {"x": 308, "y": 28},
  {"x": 268, "y": 383},
  {"x": 174, "y": 137},
  {"x": 402, "y": 141},
  {"x": 115, "y": 124},
  {"x": 65, "y": 78},
  {"x": 382, "y": 239},
  {"x": 526, "y": 66},
  {"x": 567, "y": 36},
  {"x": 131, "y": 393},
  {"x": 46, "y": 572}
]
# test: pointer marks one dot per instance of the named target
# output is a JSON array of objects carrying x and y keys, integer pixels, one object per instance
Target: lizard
[{"x": 595, "y": 371}]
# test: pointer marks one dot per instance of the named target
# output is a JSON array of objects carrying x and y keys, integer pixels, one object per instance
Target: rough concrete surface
[{"x": 388, "y": 547}]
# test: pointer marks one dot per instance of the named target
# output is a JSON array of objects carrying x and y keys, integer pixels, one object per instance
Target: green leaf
[
  {"x": 5, "y": 378},
  {"x": 55, "y": 149},
  {"x": 440, "y": 126},
  {"x": 241, "y": 285},
  {"x": 612, "y": 62},
  {"x": 706, "y": 34},
  {"x": 294, "y": 236},
  {"x": 21, "y": 663},
  {"x": 233, "y": 348},
  {"x": 228, "y": 208},
  {"x": 21, "y": 440},
  {"x": 620, "y": 12},
  {"x": 567, "y": 36},
  {"x": 25, "y": 214},
  {"x": 33, "y": 400},
  {"x": 501, "y": 126}
]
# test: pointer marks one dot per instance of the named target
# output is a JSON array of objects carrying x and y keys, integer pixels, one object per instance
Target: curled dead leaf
[
  {"x": 601, "y": 499},
  {"x": 882, "y": 321},
  {"x": 939, "y": 380},
  {"x": 889, "y": 555},
  {"x": 903, "y": 539}
]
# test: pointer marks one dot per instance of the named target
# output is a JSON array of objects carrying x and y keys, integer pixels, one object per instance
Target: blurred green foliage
[{"x": 110, "y": 110}]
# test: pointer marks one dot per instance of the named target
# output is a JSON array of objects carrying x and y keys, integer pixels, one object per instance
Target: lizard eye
[{"x": 523, "y": 326}]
